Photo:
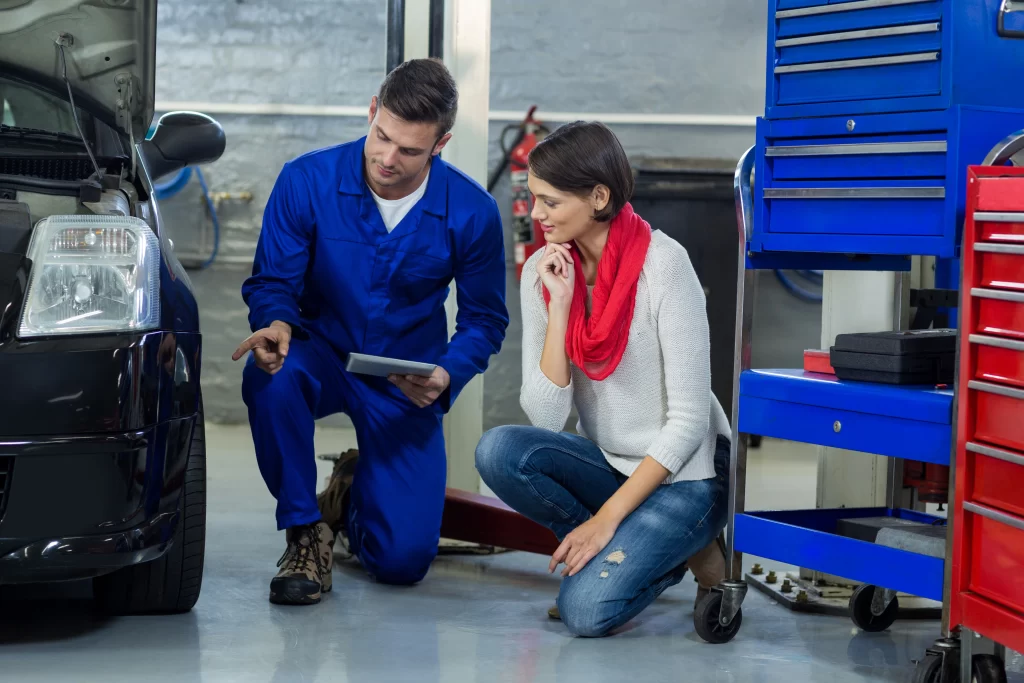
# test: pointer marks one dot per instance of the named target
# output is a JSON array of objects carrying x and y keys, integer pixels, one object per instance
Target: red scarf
[{"x": 596, "y": 342}]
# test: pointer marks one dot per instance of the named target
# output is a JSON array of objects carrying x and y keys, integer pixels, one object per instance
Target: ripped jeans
[{"x": 560, "y": 480}]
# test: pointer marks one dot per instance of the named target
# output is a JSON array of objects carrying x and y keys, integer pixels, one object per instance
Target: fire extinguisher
[{"x": 527, "y": 237}]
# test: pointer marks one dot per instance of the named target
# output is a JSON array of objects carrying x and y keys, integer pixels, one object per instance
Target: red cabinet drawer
[
  {"x": 998, "y": 414},
  {"x": 998, "y": 360},
  {"x": 999, "y": 227},
  {"x": 1000, "y": 194},
  {"x": 999, "y": 312},
  {"x": 998, "y": 478},
  {"x": 997, "y": 555},
  {"x": 1000, "y": 265}
]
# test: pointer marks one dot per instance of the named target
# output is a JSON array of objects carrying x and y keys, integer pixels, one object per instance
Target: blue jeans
[{"x": 560, "y": 480}]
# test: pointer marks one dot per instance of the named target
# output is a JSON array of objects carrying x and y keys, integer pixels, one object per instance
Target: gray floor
[{"x": 473, "y": 619}]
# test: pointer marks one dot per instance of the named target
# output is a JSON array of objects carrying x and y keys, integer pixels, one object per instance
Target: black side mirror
[{"x": 182, "y": 138}]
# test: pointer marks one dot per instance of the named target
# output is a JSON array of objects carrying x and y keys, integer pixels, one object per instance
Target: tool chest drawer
[
  {"x": 884, "y": 184},
  {"x": 920, "y": 155},
  {"x": 1000, "y": 265},
  {"x": 998, "y": 414},
  {"x": 996, "y": 550},
  {"x": 998, "y": 360},
  {"x": 1000, "y": 226},
  {"x": 996, "y": 478},
  {"x": 862, "y": 56},
  {"x": 999, "y": 313}
]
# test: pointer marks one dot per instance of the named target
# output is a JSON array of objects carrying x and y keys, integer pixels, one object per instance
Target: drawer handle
[
  {"x": 997, "y": 453},
  {"x": 859, "y": 35},
  {"x": 997, "y": 389},
  {"x": 995, "y": 515},
  {"x": 1015, "y": 297},
  {"x": 999, "y": 248},
  {"x": 984, "y": 340},
  {"x": 858, "y": 63},
  {"x": 857, "y": 149},
  {"x": 1010, "y": 7},
  {"x": 998, "y": 217},
  {"x": 843, "y": 7},
  {"x": 854, "y": 193}
]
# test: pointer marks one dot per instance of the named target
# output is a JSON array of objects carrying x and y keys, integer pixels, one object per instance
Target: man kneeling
[{"x": 359, "y": 245}]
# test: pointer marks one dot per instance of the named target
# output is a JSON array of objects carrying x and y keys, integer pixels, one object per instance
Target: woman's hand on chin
[
  {"x": 558, "y": 273},
  {"x": 582, "y": 544}
]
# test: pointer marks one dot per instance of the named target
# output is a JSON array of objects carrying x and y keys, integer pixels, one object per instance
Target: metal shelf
[{"x": 808, "y": 538}]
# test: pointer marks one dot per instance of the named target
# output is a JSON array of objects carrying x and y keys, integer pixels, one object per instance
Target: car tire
[{"x": 170, "y": 584}]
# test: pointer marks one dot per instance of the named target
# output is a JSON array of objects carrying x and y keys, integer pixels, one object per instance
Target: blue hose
[
  {"x": 796, "y": 290},
  {"x": 176, "y": 184},
  {"x": 213, "y": 217}
]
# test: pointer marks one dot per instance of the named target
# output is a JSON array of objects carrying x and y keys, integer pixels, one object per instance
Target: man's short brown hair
[{"x": 421, "y": 91}]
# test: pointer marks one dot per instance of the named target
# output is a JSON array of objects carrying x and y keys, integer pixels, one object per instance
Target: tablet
[{"x": 379, "y": 366}]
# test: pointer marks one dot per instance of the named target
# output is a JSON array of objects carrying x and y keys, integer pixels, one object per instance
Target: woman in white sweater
[{"x": 614, "y": 323}]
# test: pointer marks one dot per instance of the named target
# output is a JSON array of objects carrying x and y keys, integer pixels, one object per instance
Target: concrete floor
[{"x": 473, "y": 619}]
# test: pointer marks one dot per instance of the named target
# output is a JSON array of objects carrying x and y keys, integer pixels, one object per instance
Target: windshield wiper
[{"x": 39, "y": 134}]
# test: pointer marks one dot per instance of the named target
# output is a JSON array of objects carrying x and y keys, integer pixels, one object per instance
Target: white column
[
  {"x": 853, "y": 301},
  {"x": 417, "y": 29},
  {"x": 467, "y": 52}
]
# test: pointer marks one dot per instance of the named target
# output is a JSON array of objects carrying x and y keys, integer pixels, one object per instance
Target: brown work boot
[
  {"x": 333, "y": 500},
  {"x": 554, "y": 613},
  {"x": 305, "y": 566},
  {"x": 708, "y": 567}
]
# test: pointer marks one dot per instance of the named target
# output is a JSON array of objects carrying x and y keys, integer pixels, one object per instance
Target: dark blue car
[{"x": 102, "y": 453}]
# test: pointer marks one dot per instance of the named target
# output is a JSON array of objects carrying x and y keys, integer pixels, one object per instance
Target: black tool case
[{"x": 908, "y": 357}]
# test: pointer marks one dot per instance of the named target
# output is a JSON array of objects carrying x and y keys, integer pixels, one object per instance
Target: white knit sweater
[{"x": 658, "y": 401}]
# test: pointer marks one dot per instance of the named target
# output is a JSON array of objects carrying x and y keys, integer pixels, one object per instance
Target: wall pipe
[
  {"x": 394, "y": 37},
  {"x": 436, "y": 49},
  {"x": 342, "y": 111}
]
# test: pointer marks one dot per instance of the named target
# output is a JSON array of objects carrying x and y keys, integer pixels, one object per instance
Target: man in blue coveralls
[{"x": 360, "y": 243}]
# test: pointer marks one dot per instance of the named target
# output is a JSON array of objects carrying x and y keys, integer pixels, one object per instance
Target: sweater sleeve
[
  {"x": 684, "y": 337},
  {"x": 546, "y": 404}
]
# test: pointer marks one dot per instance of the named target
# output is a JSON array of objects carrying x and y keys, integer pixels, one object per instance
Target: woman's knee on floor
[{"x": 586, "y": 609}]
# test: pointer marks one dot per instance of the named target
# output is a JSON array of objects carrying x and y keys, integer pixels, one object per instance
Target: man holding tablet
[{"x": 360, "y": 243}]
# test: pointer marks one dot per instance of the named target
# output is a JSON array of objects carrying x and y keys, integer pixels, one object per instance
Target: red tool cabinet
[{"x": 987, "y": 579}]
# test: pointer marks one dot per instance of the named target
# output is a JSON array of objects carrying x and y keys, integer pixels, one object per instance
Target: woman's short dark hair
[
  {"x": 580, "y": 156},
  {"x": 421, "y": 91}
]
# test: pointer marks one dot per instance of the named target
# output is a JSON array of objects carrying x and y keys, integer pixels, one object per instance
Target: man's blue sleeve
[
  {"x": 282, "y": 254},
  {"x": 480, "y": 293}
]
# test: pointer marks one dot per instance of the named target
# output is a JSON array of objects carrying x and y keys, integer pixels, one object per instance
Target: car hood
[{"x": 110, "y": 51}]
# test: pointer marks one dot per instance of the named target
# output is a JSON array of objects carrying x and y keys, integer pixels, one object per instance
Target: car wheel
[{"x": 170, "y": 584}]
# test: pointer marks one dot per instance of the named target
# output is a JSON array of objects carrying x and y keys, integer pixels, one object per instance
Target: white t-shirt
[{"x": 394, "y": 210}]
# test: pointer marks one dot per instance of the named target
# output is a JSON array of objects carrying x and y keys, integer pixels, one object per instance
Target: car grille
[
  {"x": 6, "y": 470},
  {"x": 50, "y": 169}
]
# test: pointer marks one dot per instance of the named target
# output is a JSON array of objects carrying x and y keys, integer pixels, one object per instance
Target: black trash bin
[{"x": 691, "y": 200}]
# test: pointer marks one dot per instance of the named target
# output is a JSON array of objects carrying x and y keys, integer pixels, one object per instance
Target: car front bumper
[{"x": 78, "y": 498}]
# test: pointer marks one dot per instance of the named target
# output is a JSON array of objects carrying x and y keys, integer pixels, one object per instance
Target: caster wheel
[
  {"x": 860, "y": 610},
  {"x": 988, "y": 669},
  {"x": 928, "y": 670},
  {"x": 705, "y": 620},
  {"x": 984, "y": 669}
]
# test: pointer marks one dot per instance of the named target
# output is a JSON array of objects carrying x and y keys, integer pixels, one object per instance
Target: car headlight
[{"x": 92, "y": 274}]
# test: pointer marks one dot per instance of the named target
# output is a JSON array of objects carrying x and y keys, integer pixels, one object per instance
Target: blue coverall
[{"x": 327, "y": 265}]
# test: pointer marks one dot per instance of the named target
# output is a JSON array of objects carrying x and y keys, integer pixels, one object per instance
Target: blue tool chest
[
  {"x": 870, "y": 184},
  {"x": 874, "y": 110},
  {"x": 872, "y": 56}
]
